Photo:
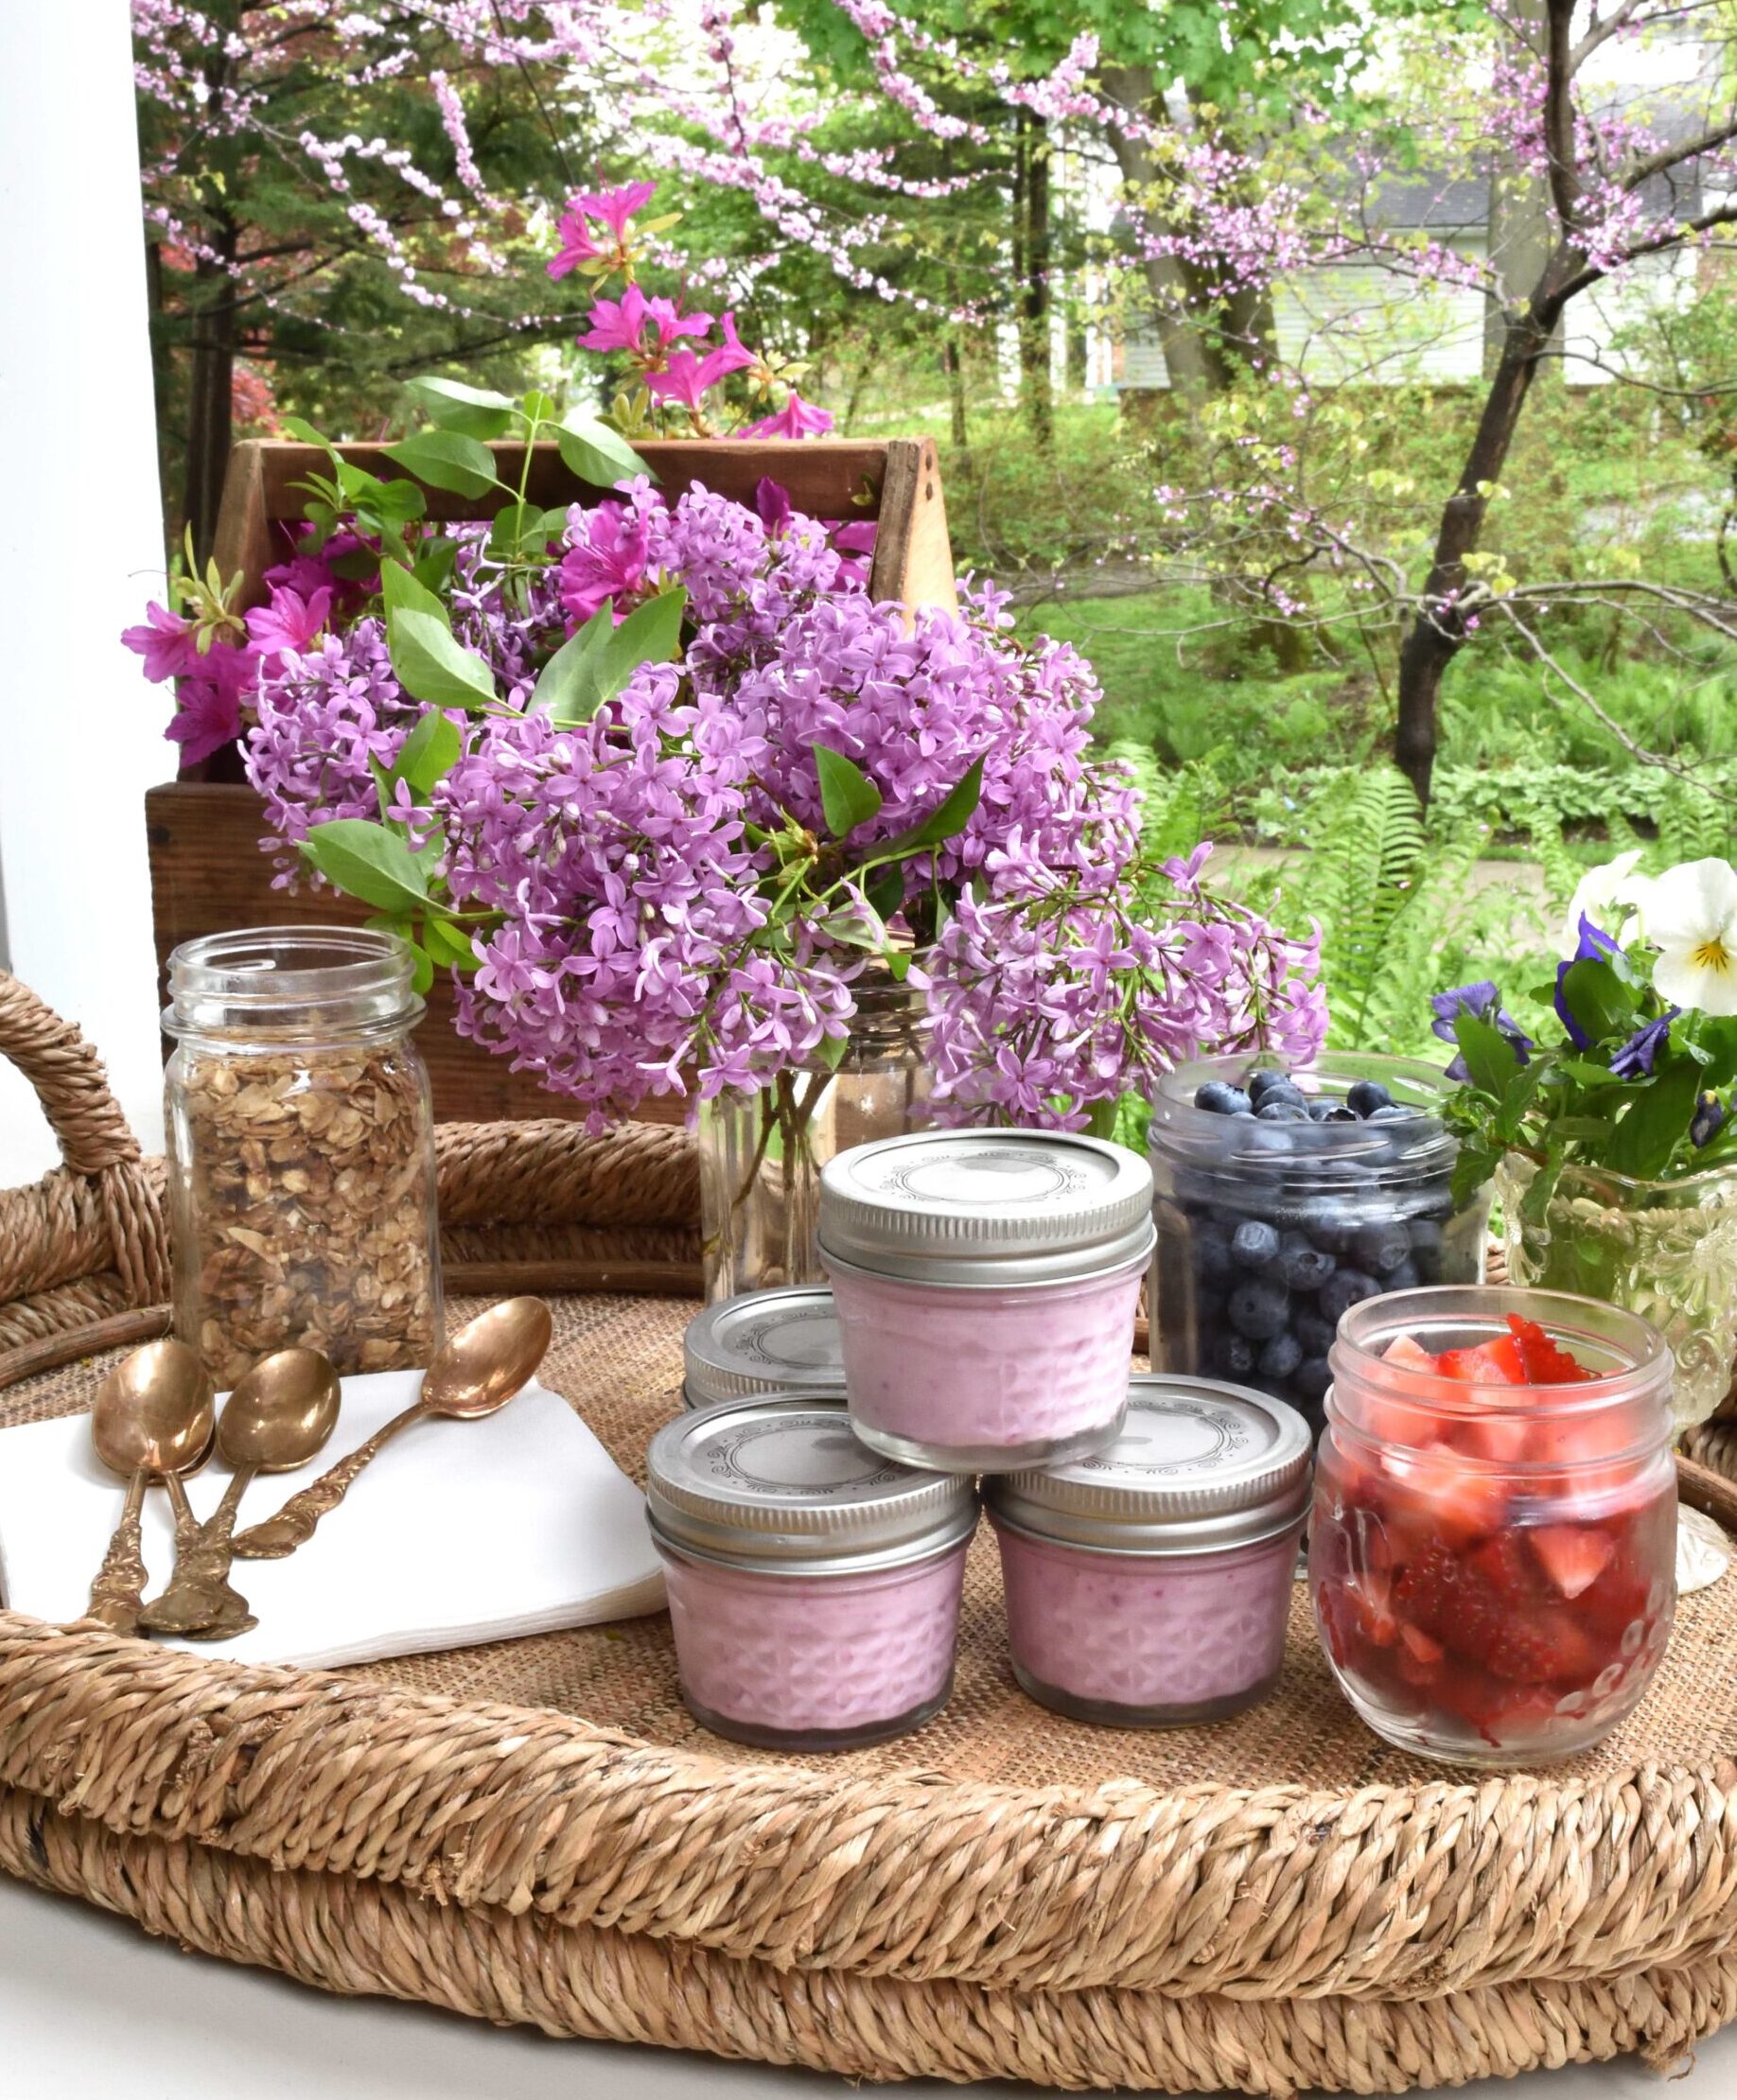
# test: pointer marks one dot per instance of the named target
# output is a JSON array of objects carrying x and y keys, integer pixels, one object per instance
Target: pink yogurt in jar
[
  {"x": 1150, "y": 1585},
  {"x": 814, "y": 1584},
  {"x": 985, "y": 1284}
]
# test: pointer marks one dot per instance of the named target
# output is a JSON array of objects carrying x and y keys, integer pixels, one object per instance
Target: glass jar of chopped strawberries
[{"x": 1493, "y": 1546}]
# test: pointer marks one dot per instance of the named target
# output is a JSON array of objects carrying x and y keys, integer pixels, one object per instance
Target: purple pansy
[
  {"x": 1482, "y": 1000},
  {"x": 1595, "y": 946},
  {"x": 1635, "y": 1060}
]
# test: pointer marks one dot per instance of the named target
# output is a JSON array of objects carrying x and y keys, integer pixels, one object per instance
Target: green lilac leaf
[
  {"x": 427, "y": 754},
  {"x": 1657, "y": 1122},
  {"x": 568, "y": 684},
  {"x": 367, "y": 861},
  {"x": 848, "y": 796}
]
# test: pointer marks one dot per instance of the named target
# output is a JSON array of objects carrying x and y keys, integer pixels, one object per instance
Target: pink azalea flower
[
  {"x": 615, "y": 207},
  {"x": 795, "y": 419},
  {"x": 289, "y": 622},
  {"x": 611, "y": 208},
  {"x": 209, "y": 714},
  {"x": 772, "y": 501},
  {"x": 687, "y": 378},
  {"x": 608, "y": 563},
  {"x": 165, "y": 643},
  {"x": 620, "y": 324}
]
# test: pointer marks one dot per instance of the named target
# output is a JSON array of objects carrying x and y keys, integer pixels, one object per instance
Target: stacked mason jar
[{"x": 979, "y": 1325}]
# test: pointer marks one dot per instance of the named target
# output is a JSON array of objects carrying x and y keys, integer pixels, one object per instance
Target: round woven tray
[{"x": 536, "y": 1831}]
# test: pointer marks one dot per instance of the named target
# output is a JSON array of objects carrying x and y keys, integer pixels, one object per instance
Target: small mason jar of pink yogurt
[
  {"x": 1150, "y": 1585},
  {"x": 986, "y": 1284},
  {"x": 814, "y": 1584}
]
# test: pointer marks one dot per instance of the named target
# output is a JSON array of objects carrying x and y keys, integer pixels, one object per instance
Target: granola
[{"x": 304, "y": 1207}]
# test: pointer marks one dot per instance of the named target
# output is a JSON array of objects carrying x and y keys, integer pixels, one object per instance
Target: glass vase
[
  {"x": 760, "y": 1154},
  {"x": 1664, "y": 1250}
]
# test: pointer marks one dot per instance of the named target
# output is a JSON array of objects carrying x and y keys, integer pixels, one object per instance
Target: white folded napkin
[{"x": 457, "y": 1533}]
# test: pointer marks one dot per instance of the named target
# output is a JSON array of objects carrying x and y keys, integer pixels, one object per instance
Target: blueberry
[
  {"x": 1310, "y": 1380},
  {"x": 1282, "y": 1090},
  {"x": 1333, "y": 1227},
  {"x": 1235, "y": 1355},
  {"x": 1427, "y": 1249},
  {"x": 1258, "y": 1082},
  {"x": 1276, "y": 1110},
  {"x": 1367, "y": 1096},
  {"x": 1321, "y": 1111},
  {"x": 1280, "y": 1358},
  {"x": 1343, "y": 1114},
  {"x": 1381, "y": 1244},
  {"x": 1391, "y": 1113},
  {"x": 1257, "y": 1308},
  {"x": 1304, "y": 1266},
  {"x": 1212, "y": 1253},
  {"x": 1313, "y": 1333},
  {"x": 1406, "y": 1277},
  {"x": 1219, "y": 1099},
  {"x": 1345, "y": 1288},
  {"x": 1253, "y": 1244}
]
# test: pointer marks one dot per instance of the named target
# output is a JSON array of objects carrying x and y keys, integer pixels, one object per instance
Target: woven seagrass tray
[{"x": 536, "y": 1831}]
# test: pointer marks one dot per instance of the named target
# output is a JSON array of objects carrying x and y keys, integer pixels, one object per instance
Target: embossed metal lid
[
  {"x": 782, "y": 1484},
  {"x": 987, "y": 1207},
  {"x": 1199, "y": 1467},
  {"x": 783, "y": 1340}
]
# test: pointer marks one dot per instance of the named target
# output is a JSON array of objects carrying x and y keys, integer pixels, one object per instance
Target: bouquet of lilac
[{"x": 660, "y": 780}]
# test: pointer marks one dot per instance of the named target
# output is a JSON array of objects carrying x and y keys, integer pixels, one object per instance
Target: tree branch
[
  {"x": 1669, "y": 157},
  {"x": 1559, "y": 110}
]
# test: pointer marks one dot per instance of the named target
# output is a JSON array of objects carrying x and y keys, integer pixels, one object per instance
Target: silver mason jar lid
[
  {"x": 782, "y": 1486},
  {"x": 987, "y": 1207},
  {"x": 1199, "y": 1467},
  {"x": 783, "y": 1340}
]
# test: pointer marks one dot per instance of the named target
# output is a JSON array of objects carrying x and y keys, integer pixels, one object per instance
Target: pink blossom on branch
[{"x": 687, "y": 378}]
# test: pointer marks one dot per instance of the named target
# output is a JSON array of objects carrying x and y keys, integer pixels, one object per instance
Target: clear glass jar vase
[
  {"x": 760, "y": 1154},
  {"x": 1664, "y": 1250},
  {"x": 1492, "y": 1553},
  {"x": 301, "y": 1151}
]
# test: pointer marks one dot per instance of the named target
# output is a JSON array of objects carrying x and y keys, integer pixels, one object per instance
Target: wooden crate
[{"x": 207, "y": 871}]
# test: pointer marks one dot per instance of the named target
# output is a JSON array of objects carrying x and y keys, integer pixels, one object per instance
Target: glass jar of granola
[{"x": 301, "y": 1151}]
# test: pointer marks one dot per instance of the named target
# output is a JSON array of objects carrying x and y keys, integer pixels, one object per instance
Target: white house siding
[{"x": 1357, "y": 323}]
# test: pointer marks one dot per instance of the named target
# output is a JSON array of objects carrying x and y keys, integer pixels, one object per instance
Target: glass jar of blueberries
[{"x": 1285, "y": 1198}]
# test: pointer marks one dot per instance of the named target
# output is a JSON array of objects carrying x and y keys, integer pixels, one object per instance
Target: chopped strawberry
[
  {"x": 1546, "y": 1363},
  {"x": 1543, "y": 1647},
  {"x": 1424, "y": 1648},
  {"x": 1428, "y": 1592},
  {"x": 1502, "y": 1564},
  {"x": 1405, "y": 1353},
  {"x": 1492, "y": 1363},
  {"x": 1572, "y": 1555},
  {"x": 1493, "y": 1432},
  {"x": 1445, "y": 1497}
]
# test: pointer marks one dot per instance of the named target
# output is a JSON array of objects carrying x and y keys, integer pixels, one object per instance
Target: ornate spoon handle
[
  {"x": 117, "y": 1594},
  {"x": 294, "y": 1523},
  {"x": 199, "y": 1601}
]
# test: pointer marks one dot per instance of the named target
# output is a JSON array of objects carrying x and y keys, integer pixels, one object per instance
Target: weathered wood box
[{"x": 207, "y": 871}]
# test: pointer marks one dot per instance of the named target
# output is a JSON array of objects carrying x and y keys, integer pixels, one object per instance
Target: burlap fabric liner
[{"x": 1275, "y": 1903}]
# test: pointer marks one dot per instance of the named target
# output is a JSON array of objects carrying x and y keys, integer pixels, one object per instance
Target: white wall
[{"x": 80, "y": 550}]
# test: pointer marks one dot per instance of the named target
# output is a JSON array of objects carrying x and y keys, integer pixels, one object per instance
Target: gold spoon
[
  {"x": 482, "y": 1366},
  {"x": 277, "y": 1417},
  {"x": 152, "y": 1416}
]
